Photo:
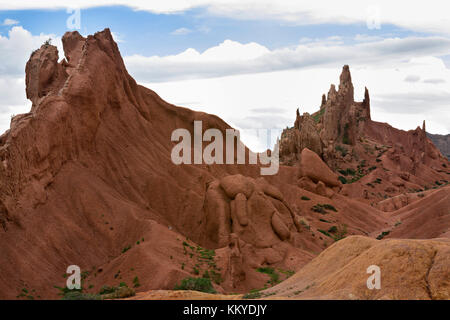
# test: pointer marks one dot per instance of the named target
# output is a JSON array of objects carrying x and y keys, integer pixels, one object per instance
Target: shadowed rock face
[{"x": 442, "y": 142}]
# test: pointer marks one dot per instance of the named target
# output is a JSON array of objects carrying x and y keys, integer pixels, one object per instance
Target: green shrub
[
  {"x": 333, "y": 229},
  {"x": 383, "y": 234},
  {"x": 107, "y": 290},
  {"x": 319, "y": 208},
  {"x": 274, "y": 276},
  {"x": 196, "y": 284},
  {"x": 120, "y": 292},
  {"x": 340, "y": 233},
  {"x": 341, "y": 149},
  {"x": 329, "y": 207},
  {"x": 136, "y": 282},
  {"x": 324, "y": 232},
  {"x": 342, "y": 179},
  {"x": 305, "y": 198},
  {"x": 345, "y": 137},
  {"x": 77, "y": 295},
  {"x": 252, "y": 295}
]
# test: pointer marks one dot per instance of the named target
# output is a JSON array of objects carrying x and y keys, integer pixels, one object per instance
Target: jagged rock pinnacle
[
  {"x": 346, "y": 85},
  {"x": 324, "y": 101}
]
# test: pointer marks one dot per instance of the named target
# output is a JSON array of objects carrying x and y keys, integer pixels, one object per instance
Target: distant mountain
[{"x": 442, "y": 142}]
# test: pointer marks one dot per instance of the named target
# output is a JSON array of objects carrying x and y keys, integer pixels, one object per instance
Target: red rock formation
[
  {"x": 346, "y": 138},
  {"x": 86, "y": 178}
]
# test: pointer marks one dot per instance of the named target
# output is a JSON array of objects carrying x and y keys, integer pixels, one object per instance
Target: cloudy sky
[{"x": 253, "y": 62}]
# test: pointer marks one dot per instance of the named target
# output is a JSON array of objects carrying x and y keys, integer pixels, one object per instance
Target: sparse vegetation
[
  {"x": 305, "y": 198},
  {"x": 342, "y": 179},
  {"x": 253, "y": 294},
  {"x": 338, "y": 232},
  {"x": 136, "y": 283},
  {"x": 196, "y": 284},
  {"x": 383, "y": 234},
  {"x": 341, "y": 149},
  {"x": 318, "y": 115},
  {"x": 333, "y": 229},
  {"x": 324, "y": 232},
  {"x": 321, "y": 208},
  {"x": 274, "y": 276}
]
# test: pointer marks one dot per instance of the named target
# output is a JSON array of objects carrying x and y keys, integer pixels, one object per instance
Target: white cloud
[
  {"x": 9, "y": 22},
  {"x": 117, "y": 37},
  {"x": 268, "y": 100},
  {"x": 232, "y": 58},
  {"x": 366, "y": 38},
  {"x": 412, "y": 78},
  {"x": 434, "y": 80},
  {"x": 418, "y": 15},
  {"x": 181, "y": 31},
  {"x": 15, "y": 49}
]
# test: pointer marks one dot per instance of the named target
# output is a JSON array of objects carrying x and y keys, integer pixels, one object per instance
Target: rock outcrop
[
  {"x": 86, "y": 178},
  {"x": 409, "y": 269},
  {"x": 442, "y": 142},
  {"x": 343, "y": 135}
]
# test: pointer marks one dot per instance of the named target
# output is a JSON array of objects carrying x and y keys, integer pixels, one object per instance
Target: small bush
[
  {"x": 324, "y": 232},
  {"x": 252, "y": 295},
  {"x": 274, "y": 276},
  {"x": 340, "y": 233},
  {"x": 77, "y": 295},
  {"x": 126, "y": 248},
  {"x": 196, "y": 284},
  {"x": 341, "y": 149},
  {"x": 120, "y": 292},
  {"x": 305, "y": 198},
  {"x": 319, "y": 208},
  {"x": 383, "y": 234},
  {"x": 333, "y": 229},
  {"x": 136, "y": 282},
  {"x": 329, "y": 207},
  {"x": 342, "y": 179}
]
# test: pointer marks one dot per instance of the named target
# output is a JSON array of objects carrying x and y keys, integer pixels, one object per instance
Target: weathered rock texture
[
  {"x": 410, "y": 269},
  {"x": 442, "y": 142},
  {"x": 362, "y": 151},
  {"x": 86, "y": 178}
]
